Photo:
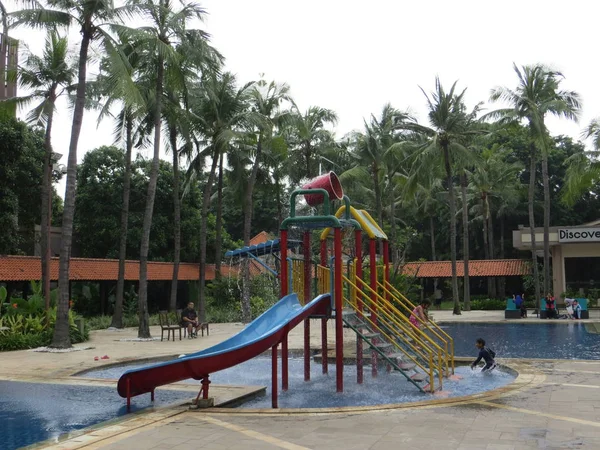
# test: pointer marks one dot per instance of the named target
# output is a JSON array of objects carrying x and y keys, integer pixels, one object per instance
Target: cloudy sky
[{"x": 353, "y": 57}]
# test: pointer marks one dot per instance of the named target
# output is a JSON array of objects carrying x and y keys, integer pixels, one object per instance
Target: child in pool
[{"x": 486, "y": 354}]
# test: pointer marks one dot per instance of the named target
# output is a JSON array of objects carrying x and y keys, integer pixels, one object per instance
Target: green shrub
[{"x": 488, "y": 305}]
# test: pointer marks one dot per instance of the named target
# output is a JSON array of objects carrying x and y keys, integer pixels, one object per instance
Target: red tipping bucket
[{"x": 330, "y": 182}]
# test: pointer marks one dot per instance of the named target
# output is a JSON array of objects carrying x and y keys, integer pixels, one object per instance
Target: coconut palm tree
[
  {"x": 537, "y": 94},
  {"x": 157, "y": 44},
  {"x": 93, "y": 18},
  {"x": 451, "y": 127},
  {"x": 46, "y": 77},
  {"x": 220, "y": 111},
  {"x": 309, "y": 138},
  {"x": 265, "y": 101},
  {"x": 583, "y": 169}
]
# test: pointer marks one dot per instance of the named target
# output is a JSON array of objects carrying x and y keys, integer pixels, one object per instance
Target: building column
[{"x": 558, "y": 271}]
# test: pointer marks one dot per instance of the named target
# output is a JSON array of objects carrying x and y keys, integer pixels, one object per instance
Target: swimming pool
[
  {"x": 525, "y": 340},
  {"x": 34, "y": 412}
]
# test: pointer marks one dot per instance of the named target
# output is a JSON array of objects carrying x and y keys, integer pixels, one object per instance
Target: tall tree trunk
[
  {"x": 494, "y": 293},
  {"x": 546, "y": 181},
  {"x": 308, "y": 155},
  {"x": 452, "y": 203},
  {"x": 61, "y": 338},
  {"x": 219, "y": 222},
  {"x": 3, "y": 51},
  {"x": 117, "y": 318},
  {"x": 393, "y": 233},
  {"x": 502, "y": 280},
  {"x": 433, "y": 253},
  {"x": 278, "y": 198},
  {"x": 486, "y": 239},
  {"x": 531, "y": 200},
  {"x": 176, "y": 218},
  {"x": 203, "y": 231},
  {"x": 378, "y": 201},
  {"x": 144, "y": 327},
  {"x": 46, "y": 218},
  {"x": 465, "y": 218},
  {"x": 246, "y": 306}
]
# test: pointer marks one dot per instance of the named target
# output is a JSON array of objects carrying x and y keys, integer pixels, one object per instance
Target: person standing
[{"x": 550, "y": 306}]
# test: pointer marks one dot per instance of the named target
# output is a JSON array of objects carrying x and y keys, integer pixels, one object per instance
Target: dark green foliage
[
  {"x": 22, "y": 156},
  {"x": 99, "y": 198}
]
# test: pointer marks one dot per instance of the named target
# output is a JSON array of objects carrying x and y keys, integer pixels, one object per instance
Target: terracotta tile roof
[
  {"x": 260, "y": 238},
  {"x": 477, "y": 268},
  {"x": 26, "y": 268}
]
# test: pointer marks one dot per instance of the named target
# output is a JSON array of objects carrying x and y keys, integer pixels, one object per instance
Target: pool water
[
  {"x": 524, "y": 340},
  {"x": 320, "y": 391},
  {"x": 33, "y": 412}
]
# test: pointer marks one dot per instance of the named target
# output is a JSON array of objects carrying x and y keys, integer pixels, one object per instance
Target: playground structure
[{"x": 331, "y": 288}]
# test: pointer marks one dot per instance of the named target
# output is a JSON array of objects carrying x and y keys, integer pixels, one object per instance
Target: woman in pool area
[
  {"x": 519, "y": 300},
  {"x": 420, "y": 312},
  {"x": 576, "y": 310},
  {"x": 550, "y": 306}
]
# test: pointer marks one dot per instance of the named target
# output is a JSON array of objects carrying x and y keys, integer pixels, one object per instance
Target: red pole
[
  {"x": 283, "y": 276},
  {"x": 373, "y": 270},
  {"x": 284, "y": 363},
  {"x": 307, "y": 285},
  {"x": 324, "y": 252},
  {"x": 359, "y": 304},
  {"x": 274, "y": 376},
  {"x": 205, "y": 383},
  {"x": 339, "y": 330},
  {"x": 324, "y": 355}
]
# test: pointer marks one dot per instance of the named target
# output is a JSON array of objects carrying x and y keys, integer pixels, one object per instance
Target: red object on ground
[
  {"x": 330, "y": 182},
  {"x": 96, "y": 358},
  {"x": 105, "y": 357}
]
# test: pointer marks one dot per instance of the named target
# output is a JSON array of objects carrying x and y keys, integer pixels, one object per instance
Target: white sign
[{"x": 579, "y": 235}]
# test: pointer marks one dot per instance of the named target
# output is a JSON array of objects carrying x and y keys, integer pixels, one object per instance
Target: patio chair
[{"x": 163, "y": 318}]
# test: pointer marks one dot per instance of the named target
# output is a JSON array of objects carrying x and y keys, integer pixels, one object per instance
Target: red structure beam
[{"x": 339, "y": 330}]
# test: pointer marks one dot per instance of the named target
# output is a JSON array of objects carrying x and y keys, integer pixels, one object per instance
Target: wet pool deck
[{"x": 553, "y": 404}]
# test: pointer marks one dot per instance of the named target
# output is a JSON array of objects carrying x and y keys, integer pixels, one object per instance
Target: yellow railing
[
  {"x": 298, "y": 279},
  {"x": 431, "y": 326},
  {"x": 323, "y": 280},
  {"x": 404, "y": 330}
]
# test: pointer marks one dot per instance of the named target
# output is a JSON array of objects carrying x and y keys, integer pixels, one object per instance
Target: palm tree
[
  {"x": 538, "y": 94},
  {"x": 220, "y": 110},
  {"x": 265, "y": 101},
  {"x": 493, "y": 179},
  {"x": 309, "y": 138},
  {"x": 46, "y": 77},
  {"x": 583, "y": 169},
  {"x": 157, "y": 45},
  {"x": 451, "y": 127},
  {"x": 92, "y": 17},
  {"x": 115, "y": 85}
]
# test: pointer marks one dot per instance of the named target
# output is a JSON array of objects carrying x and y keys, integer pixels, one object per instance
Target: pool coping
[{"x": 527, "y": 377}]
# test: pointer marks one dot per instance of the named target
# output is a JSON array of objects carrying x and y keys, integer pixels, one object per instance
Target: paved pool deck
[{"x": 553, "y": 404}]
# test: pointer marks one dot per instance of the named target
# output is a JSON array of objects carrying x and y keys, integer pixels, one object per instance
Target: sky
[{"x": 353, "y": 57}]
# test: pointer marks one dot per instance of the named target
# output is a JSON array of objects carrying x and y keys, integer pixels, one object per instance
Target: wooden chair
[{"x": 163, "y": 318}]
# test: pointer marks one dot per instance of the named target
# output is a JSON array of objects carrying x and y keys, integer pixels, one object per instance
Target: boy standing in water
[{"x": 486, "y": 354}]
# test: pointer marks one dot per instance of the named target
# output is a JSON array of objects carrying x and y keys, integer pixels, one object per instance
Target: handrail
[
  {"x": 397, "y": 294},
  {"x": 410, "y": 330},
  {"x": 427, "y": 325},
  {"x": 393, "y": 341}
]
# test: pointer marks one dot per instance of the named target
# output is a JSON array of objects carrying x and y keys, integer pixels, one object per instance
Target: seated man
[
  {"x": 550, "y": 307},
  {"x": 189, "y": 320}
]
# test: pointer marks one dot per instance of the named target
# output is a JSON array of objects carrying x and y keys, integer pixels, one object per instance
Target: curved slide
[{"x": 260, "y": 335}]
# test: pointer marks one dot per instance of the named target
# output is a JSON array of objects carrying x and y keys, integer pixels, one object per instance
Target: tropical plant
[
  {"x": 46, "y": 77},
  {"x": 452, "y": 126},
  {"x": 93, "y": 18},
  {"x": 537, "y": 95}
]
